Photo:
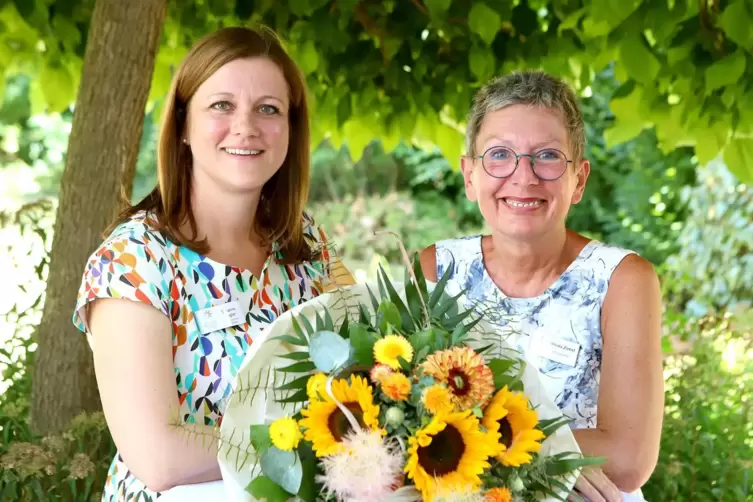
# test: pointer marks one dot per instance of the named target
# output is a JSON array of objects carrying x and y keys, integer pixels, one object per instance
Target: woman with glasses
[{"x": 586, "y": 314}]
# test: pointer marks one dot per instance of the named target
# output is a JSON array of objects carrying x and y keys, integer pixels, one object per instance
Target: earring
[{"x": 185, "y": 141}]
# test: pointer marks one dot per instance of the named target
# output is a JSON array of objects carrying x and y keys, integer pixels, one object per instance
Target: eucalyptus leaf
[
  {"x": 284, "y": 468},
  {"x": 329, "y": 351}
]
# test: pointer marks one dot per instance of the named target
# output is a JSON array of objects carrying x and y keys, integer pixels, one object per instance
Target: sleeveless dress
[
  {"x": 138, "y": 263},
  {"x": 558, "y": 332}
]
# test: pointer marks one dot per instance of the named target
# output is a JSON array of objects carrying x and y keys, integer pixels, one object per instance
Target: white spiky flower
[
  {"x": 368, "y": 469},
  {"x": 459, "y": 495}
]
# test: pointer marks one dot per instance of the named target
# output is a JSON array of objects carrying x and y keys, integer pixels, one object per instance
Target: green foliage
[
  {"x": 633, "y": 196},
  {"x": 72, "y": 466},
  {"x": 713, "y": 268},
  {"x": 407, "y": 70},
  {"x": 708, "y": 422}
]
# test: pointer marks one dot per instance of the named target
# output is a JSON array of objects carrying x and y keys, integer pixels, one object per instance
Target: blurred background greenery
[{"x": 685, "y": 210}]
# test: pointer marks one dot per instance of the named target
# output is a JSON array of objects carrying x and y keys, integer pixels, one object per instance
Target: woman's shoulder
[{"x": 453, "y": 254}]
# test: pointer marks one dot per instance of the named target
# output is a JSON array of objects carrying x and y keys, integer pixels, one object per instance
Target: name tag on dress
[
  {"x": 219, "y": 317},
  {"x": 561, "y": 351}
]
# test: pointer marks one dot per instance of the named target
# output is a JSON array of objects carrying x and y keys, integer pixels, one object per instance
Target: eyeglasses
[{"x": 548, "y": 164}]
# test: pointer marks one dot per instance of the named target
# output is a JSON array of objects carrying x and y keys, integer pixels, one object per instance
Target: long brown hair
[{"x": 280, "y": 213}]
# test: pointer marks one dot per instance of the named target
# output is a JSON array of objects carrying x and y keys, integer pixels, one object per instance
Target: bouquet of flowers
[{"x": 391, "y": 396}]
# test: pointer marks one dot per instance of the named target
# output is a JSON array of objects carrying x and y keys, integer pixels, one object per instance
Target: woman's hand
[{"x": 594, "y": 486}]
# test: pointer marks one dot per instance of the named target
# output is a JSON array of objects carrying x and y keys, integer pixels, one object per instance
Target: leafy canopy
[{"x": 407, "y": 69}]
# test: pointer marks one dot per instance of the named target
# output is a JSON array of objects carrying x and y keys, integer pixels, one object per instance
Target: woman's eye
[
  {"x": 221, "y": 106},
  {"x": 269, "y": 110}
]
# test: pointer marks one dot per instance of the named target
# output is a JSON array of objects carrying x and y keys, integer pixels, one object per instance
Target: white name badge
[
  {"x": 561, "y": 351},
  {"x": 219, "y": 317}
]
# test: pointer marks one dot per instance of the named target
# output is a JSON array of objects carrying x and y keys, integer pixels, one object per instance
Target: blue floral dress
[{"x": 558, "y": 332}]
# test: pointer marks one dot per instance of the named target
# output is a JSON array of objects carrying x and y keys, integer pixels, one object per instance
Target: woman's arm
[
  {"x": 631, "y": 391},
  {"x": 132, "y": 346}
]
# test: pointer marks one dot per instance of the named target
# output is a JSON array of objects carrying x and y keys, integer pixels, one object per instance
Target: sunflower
[
  {"x": 469, "y": 380},
  {"x": 388, "y": 349},
  {"x": 509, "y": 416},
  {"x": 450, "y": 451},
  {"x": 326, "y": 424}
]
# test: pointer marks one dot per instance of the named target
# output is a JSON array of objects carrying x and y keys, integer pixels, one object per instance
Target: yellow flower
[
  {"x": 468, "y": 379},
  {"x": 437, "y": 399},
  {"x": 389, "y": 348},
  {"x": 451, "y": 451},
  {"x": 511, "y": 420},
  {"x": 396, "y": 386},
  {"x": 499, "y": 495},
  {"x": 316, "y": 387},
  {"x": 285, "y": 433},
  {"x": 326, "y": 424}
]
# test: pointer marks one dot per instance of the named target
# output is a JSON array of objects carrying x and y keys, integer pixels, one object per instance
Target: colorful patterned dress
[
  {"x": 558, "y": 332},
  {"x": 140, "y": 264}
]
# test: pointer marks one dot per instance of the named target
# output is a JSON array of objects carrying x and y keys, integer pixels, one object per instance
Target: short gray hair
[{"x": 531, "y": 87}]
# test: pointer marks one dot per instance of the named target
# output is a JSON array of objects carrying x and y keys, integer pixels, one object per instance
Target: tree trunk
[{"x": 101, "y": 161}]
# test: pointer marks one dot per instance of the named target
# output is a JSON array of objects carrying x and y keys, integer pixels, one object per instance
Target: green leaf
[
  {"x": 407, "y": 320},
  {"x": 726, "y": 71},
  {"x": 284, "y": 468},
  {"x": 296, "y": 356},
  {"x": 484, "y": 21},
  {"x": 344, "y": 330},
  {"x": 564, "y": 466},
  {"x": 319, "y": 322},
  {"x": 260, "y": 438},
  {"x": 57, "y": 86},
  {"x": 481, "y": 62},
  {"x": 307, "y": 325},
  {"x": 437, "y": 8},
  {"x": 404, "y": 364},
  {"x": 296, "y": 384},
  {"x": 309, "y": 490},
  {"x": 738, "y": 156},
  {"x": 735, "y": 21},
  {"x": 292, "y": 340},
  {"x": 299, "y": 8},
  {"x": 422, "y": 339},
  {"x": 329, "y": 351},
  {"x": 499, "y": 369},
  {"x": 639, "y": 62},
  {"x": 329, "y": 324},
  {"x": 66, "y": 32},
  {"x": 308, "y": 57},
  {"x": 299, "y": 331},
  {"x": 613, "y": 12},
  {"x": 300, "y": 367},
  {"x": 710, "y": 141},
  {"x": 438, "y": 292},
  {"x": 390, "y": 314},
  {"x": 299, "y": 396},
  {"x": 363, "y": 344},
  {"x": 414, "y": 302},
  {"x": 571, "y": 21}
]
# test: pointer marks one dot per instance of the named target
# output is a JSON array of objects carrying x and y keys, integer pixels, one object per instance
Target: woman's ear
[
  {"x": 466, "y": 166},
  {"x": 581, "y": 176}
]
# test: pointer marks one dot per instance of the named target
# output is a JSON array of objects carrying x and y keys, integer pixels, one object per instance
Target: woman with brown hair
[{"x": 174, "y": 296}]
